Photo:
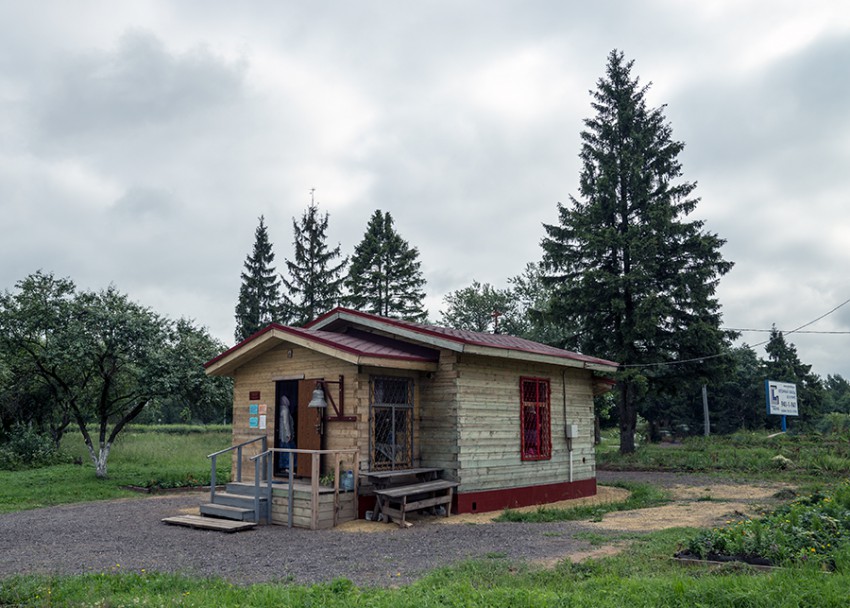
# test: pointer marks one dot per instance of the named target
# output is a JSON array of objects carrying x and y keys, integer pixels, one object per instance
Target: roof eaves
[
  {"x": 522, "y": 355},
  {"x": 396, "y": 329},
  {"x": 228, "y": 361}
]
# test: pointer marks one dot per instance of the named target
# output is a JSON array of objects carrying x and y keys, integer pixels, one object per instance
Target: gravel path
[{"x": 127, "y": 535}]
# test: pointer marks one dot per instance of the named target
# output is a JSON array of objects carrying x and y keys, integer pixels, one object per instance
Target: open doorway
[
  {"x": 286, "y": 398},
  {"x": 305, "y": 431}
]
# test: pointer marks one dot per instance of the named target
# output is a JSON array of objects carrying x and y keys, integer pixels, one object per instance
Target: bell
[{"x": 318, "y": 399}]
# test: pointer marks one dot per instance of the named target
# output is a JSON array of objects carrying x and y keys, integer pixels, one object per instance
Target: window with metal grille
[
  {"x": 390, "y": 423},
  {"x": 535, "y": 419}
]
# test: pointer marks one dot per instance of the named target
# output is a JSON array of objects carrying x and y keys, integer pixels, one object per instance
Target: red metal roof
[
  {"x": 357, "y": 343},
  {"x": 460, "y": 336}
]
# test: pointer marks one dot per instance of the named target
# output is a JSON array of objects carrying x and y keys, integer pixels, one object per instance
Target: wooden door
[{"x": 309, "y": 434}]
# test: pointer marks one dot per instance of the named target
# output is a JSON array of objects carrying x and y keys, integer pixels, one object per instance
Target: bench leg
[
  {"x": 449, "y": 504},
  {"x": 376, "y": 515}
]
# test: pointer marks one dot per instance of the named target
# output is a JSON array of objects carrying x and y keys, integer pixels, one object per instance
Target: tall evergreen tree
[
  {"x": 315, "y": 283},
  {"x": 259, "y": 296},
  {"x": 384, "y": 276},
  {"x": 636, "y": 279}
]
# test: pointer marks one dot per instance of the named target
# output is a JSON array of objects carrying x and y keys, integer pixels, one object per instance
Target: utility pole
[{"x": 706, "y": 423}]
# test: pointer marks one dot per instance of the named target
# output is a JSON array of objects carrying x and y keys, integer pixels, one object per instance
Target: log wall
[
  {"x": 489, "y": 446},
  {"x": 262, "y": 373}
]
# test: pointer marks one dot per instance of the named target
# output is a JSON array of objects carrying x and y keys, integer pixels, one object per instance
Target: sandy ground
[{"x": 697, "y": 506}]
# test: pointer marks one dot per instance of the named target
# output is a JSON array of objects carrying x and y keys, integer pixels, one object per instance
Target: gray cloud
[{"x": 138, "y": 145}]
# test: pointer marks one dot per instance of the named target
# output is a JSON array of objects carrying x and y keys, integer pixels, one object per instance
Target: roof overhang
[
  {"x": 275, "y": 335},
  {"x": 342, "y": 316}
]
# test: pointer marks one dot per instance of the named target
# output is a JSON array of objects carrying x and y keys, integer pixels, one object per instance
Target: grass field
[
  {"x": 643, "y": 575},
  {"x": 802, "y": 457},
  {"x": 149, "y": 458}
]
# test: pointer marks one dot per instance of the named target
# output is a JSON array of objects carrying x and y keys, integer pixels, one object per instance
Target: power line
[
  {"x": 767, "y": 331},
  {"x": 700, "y": 359}
]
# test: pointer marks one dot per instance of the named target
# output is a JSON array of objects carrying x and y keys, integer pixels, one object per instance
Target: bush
[
  {"x": 24, "y": 447},
  {"x": 833, "y": 423}
]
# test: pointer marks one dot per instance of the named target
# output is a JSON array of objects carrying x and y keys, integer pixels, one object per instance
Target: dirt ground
[
  {"x": 703, "y": 505},
  {"x": 695, "y": 502}
]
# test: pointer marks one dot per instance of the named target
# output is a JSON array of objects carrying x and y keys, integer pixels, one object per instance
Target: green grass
[
  {"x": 739, "y": 454},
  {"x": 642, "y": 576},
  {"x": 147, "y": 459},
  {"x": 642, "y": 496}
]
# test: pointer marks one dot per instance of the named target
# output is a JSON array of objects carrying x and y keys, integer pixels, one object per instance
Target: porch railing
[
  {"x": 265, "y": 462},
  {"x": 238, "y": 447}
]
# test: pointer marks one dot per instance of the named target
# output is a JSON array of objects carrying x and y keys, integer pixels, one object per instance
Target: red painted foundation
[
  {"x": 511, "y": 498},
  {"x": 508, "y": 498}
]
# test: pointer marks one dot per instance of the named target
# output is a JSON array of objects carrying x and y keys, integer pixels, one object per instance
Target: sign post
[{"x": 781, "y": 399}]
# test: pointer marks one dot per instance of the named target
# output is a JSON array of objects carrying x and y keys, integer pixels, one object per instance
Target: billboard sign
[{"x": 781, "y": 398}]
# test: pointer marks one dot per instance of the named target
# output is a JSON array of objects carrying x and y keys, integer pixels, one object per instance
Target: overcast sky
[{"x": 140, "y": 141}]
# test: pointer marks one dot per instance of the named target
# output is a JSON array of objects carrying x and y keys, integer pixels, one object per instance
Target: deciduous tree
[
  {"x": 476, "y": 307},
  {"x": 102, "y": 357}
]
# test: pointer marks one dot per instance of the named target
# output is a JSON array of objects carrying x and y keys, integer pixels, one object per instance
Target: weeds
[{"x": 812, "y": 529}]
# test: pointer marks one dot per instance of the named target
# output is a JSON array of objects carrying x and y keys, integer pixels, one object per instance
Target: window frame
[
  {"x": 536, "y": 413},
  {"x": 394, "y": 410}
]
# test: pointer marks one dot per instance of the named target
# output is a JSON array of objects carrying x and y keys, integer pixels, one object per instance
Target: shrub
[{"x": 24, "y": 447}]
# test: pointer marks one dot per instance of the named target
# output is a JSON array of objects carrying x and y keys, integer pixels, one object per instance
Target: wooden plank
[
  {"x": 401, "y": 473},
  {"x": 417, "y": 488},
  {"x": 428, "y": 502},
  {"x": 209, "y": 523},
  {"x": 314, "y": 502}
]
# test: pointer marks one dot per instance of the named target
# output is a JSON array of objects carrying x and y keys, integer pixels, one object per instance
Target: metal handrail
[
  {"x": 238, "y": 447},
  {"x": 264, "y": 456}
]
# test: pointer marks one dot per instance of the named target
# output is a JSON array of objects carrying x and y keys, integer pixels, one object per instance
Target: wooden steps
[
  {"x": 209, "y": 523},
  {"x": 227, "y": 512}
]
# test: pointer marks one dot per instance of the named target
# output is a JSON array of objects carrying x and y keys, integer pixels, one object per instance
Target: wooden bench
[
  {"x": 397, "y": 501},
  {"x": 396, "y": 477}
]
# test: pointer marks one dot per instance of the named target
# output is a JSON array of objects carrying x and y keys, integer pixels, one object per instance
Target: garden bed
[{"x": 811, "y": 529}]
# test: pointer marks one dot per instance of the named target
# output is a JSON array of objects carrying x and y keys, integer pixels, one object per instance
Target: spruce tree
[
  {"x": 635, "y": 278},
  {"x": 259, "y": 296},
  {"x": 384, "y": 276},
  {"x": 315, "y": 274}
]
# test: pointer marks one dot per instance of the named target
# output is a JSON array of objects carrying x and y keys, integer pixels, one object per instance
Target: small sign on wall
[
  {"x": 262, "y": 421},
  {"x": 254, "y": 422},
  {"x": 254, "y": 409},
  {"x": 254, "y": 395}
]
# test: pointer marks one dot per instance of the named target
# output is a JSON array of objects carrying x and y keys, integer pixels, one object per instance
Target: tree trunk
[
  {"x": 100, "y": 463},
  {"x": 99, "y": 458},
  {"x": 628, "y": 418}
]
